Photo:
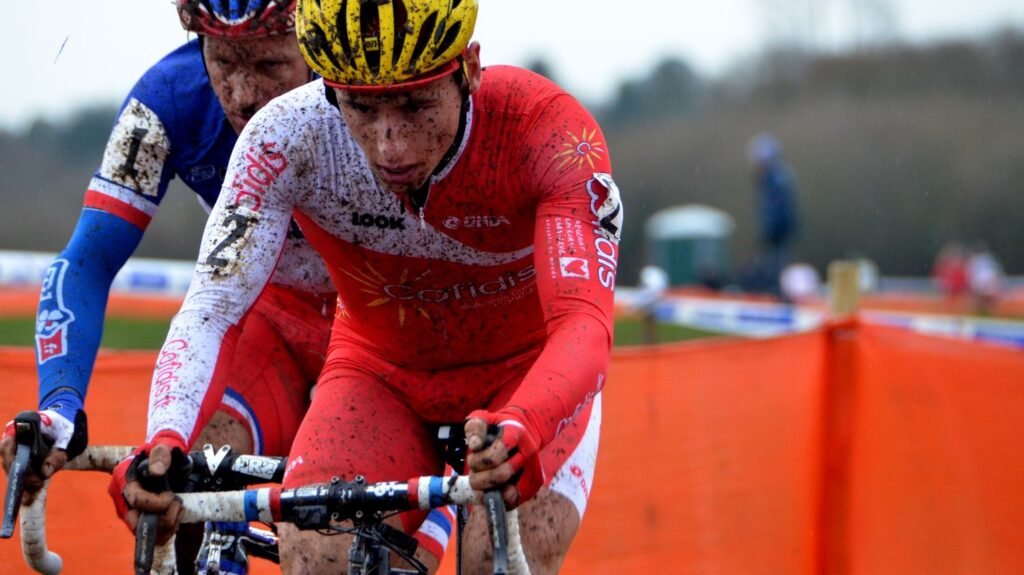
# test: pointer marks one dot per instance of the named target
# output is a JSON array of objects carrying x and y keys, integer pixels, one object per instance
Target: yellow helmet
[{"x": 384, "y": 44}]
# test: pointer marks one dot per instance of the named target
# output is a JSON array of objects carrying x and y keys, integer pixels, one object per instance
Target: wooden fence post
[
  {"x": 844, "y": 287},
  {"x": 838, "y": 425}
]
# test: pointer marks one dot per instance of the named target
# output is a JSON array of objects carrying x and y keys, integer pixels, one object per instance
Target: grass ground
[
  {"x": 133, "y": 333},
  {"x": 119, "y": 333}
]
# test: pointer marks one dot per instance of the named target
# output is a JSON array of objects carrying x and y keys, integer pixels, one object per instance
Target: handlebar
[
  {"x": 32, "y": 519},
  {"x": 315, "y": 507},
  {"x": 211, "y": 468},
  {"x": 307, "y": 507}
]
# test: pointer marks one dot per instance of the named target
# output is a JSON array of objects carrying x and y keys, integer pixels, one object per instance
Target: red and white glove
[
  {"x": 118, "y": 480},
  {"x": 65, "y": 439},
  {"x": 523, "y": 448},
  {"x": 59, "y": 431},
  {"x": 126, "y": 471}
]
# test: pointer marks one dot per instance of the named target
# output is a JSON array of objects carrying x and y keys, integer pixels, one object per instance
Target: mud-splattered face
[
  {"x": 406, "y": 134},
  {"x": 247, "y": 73}
]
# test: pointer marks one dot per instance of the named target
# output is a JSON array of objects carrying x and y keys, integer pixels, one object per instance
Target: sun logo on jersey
[
  {"x": 383, "y": 291},
  {"x": 580, "y": 150}
]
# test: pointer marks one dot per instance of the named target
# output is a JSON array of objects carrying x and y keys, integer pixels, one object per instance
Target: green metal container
[{"x": 691, "y": 243}]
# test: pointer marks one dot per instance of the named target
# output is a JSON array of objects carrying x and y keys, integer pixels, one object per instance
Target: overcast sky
[{"x": 84, "y": 52}]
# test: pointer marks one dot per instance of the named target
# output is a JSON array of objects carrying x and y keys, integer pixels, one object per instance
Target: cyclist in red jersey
[{"x": 470, "y": 222}]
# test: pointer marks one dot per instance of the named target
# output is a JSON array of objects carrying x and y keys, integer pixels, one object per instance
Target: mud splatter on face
[
  {"x": 404, "y": 135},
  {"x": 247, "y": 73}
]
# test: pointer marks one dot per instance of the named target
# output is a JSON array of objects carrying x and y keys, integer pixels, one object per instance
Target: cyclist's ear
[{"x": 471, "y": 71}]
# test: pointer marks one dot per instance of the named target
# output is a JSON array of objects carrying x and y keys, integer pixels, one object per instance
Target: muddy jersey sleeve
[
  {"x": 119, "y": 203},
  {"x": 579, "y": 216},
  {"x": 241, "y": 244}
]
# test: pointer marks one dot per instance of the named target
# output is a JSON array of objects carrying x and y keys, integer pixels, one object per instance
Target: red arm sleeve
[{"x": 579, "y": 217}]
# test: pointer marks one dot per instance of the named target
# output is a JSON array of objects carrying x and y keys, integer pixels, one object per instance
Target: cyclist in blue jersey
[{"x": 181, "y": 120}]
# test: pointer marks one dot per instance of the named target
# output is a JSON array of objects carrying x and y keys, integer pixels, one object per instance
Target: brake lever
[
  {"x": 494, "y": 506},
  {"x": 146, "y": 528},
  {"x": 145, "y": 542},
  {"x": 31, "y": 450}
]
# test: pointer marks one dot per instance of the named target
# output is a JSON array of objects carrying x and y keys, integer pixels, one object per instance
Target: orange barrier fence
[
  {"x": 851, "y": 450},
  {"x": 23, "y": 302},
  {"x": 932, "y": 465},
  {"x": 81, "y": 524},
  {"x": 709, "y": 460}
]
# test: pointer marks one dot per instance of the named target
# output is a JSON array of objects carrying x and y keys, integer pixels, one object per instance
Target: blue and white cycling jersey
[{"x": 170, "y": 125}]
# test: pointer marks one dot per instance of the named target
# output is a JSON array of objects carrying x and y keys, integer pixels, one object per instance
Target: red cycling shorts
[
  {"x": 280, "y": 353},
  {"x": 371, "y": 418}
]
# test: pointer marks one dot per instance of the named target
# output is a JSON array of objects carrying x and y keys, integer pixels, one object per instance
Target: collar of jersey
[{"x": 457, "y": 149}]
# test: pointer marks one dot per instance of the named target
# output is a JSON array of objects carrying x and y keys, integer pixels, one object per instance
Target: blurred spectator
[
  {"x": 984, "y": 279},
  {"x": 950, "y": 271},
  {"x": 800, "y": 283},
  {"x": 777, "y": 212},
  {"x": 653, "y": 284},
  {"x": 870, "y": 277}
]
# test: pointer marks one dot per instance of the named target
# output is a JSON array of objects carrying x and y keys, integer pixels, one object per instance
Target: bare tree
[
  {"x": 788, "y": 24},
  {"x": 804, "y": 26},
  {"x": 874, "y": 22}
]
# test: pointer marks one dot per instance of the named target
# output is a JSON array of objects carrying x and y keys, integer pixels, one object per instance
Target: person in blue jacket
[{"x": 777, "y": 212}]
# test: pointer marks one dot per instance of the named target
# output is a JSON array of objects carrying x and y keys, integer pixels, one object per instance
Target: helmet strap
[
  {"x": 419, "y": 197},
  {"x": 460, "y": 134},
  {"x": 462, "y": 79}
]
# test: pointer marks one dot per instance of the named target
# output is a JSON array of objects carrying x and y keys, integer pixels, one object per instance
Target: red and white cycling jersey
[{"x": 512, "y": 255}]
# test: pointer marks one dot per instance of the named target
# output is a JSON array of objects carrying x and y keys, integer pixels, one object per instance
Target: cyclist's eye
[
  {"x": 270, "y": 67},
  {"x": 357, "y": 107}
]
